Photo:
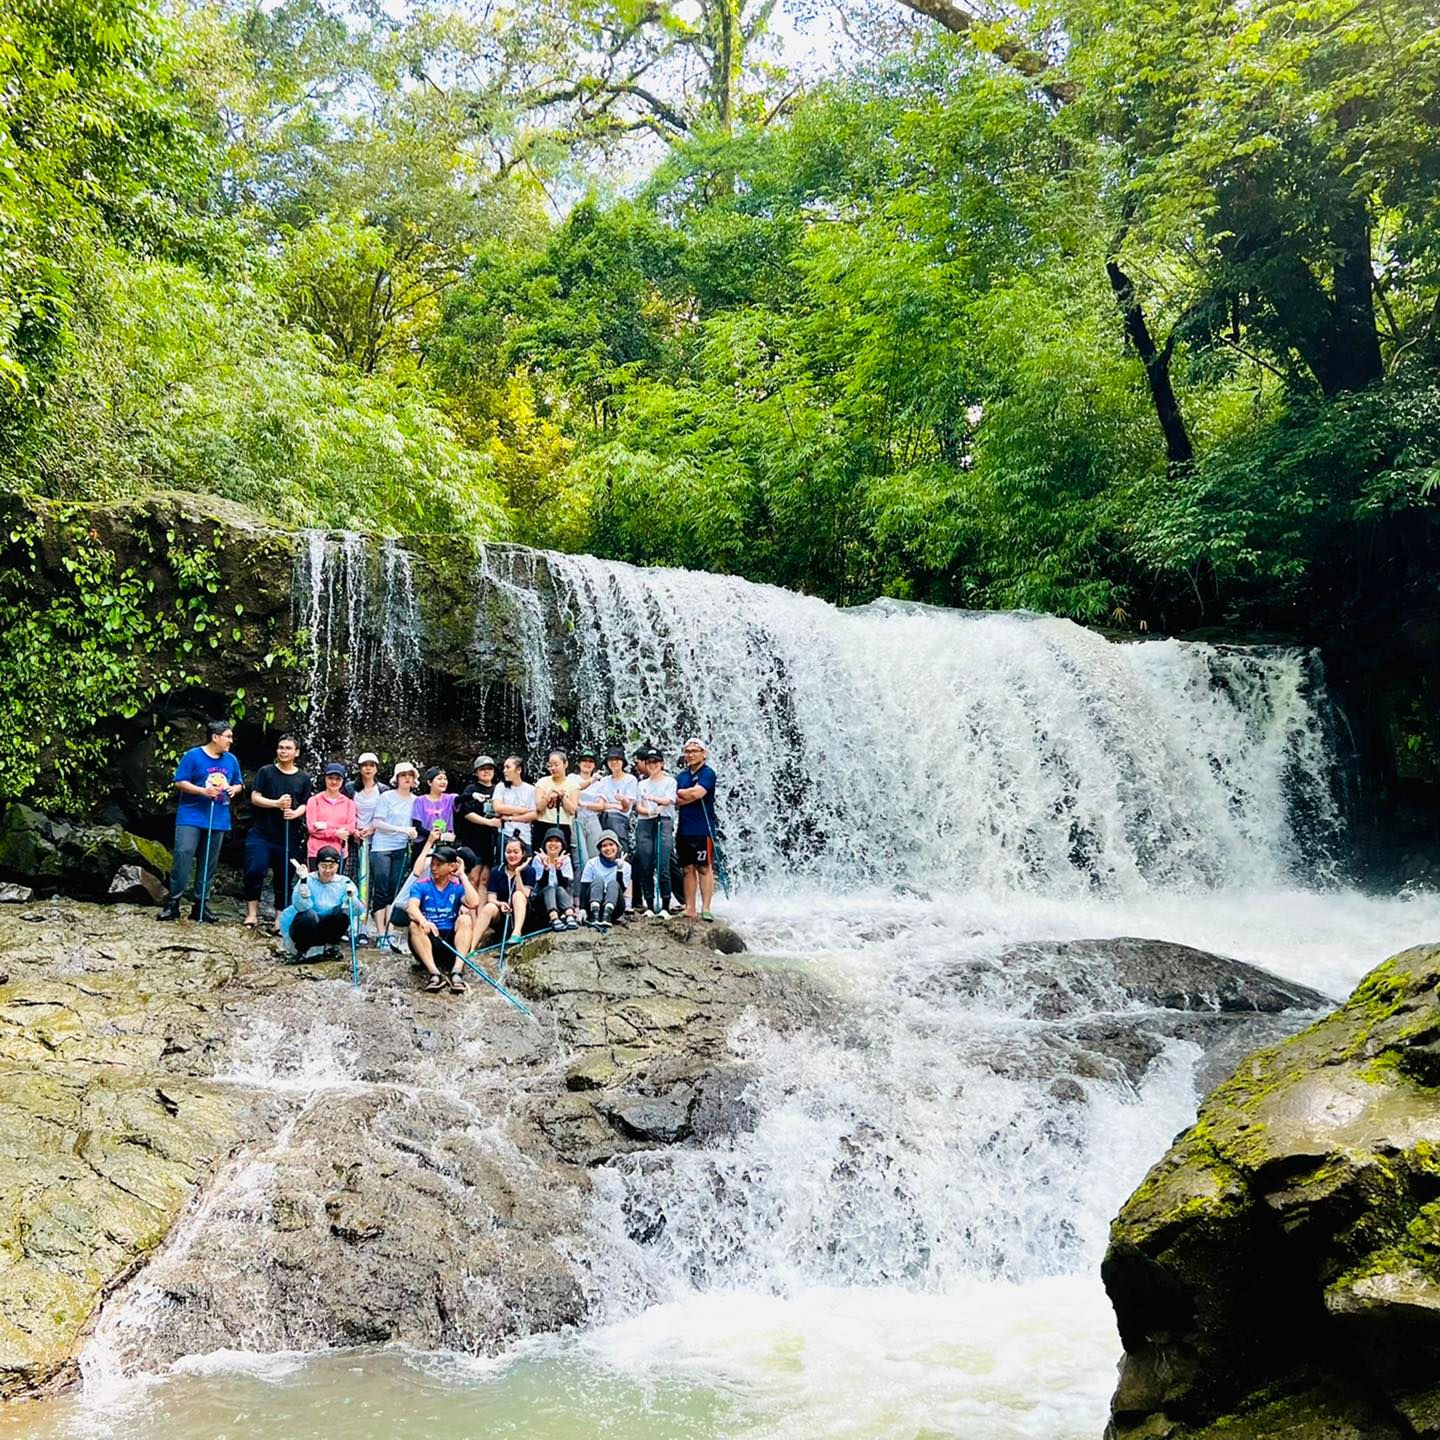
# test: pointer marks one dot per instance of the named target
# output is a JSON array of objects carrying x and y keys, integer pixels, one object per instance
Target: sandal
[
  {"x": 251, "y": 924},
  {"x": 706, "y": 915},
  {"x": 435, "y": 982},
  {"x": 457, "y": 985}
]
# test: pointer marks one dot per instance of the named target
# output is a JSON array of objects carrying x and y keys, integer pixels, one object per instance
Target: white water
[{"x": 907, "y": 1242}]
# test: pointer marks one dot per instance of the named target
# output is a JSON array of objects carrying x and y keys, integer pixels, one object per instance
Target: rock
[
  {"x": 1278, "y": 1272},
  {"x": 57, "y": 857},
  {"x": 132, "y": 883},
  {"x": 365, "y": 1165},
  {"x": 15, "y": 894}
]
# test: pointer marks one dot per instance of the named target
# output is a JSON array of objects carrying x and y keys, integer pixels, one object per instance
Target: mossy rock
[
  {"x": 56, "y": 856},
  {"x": 1293, "y": 1229}
]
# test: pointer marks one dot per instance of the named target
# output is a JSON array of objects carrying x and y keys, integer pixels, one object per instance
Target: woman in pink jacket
[{"x": 330, "y": 816}]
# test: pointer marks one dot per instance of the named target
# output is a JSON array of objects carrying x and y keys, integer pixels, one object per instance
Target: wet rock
[
  {"x": 1278, "y": 1272},
  {"x": 357, "y": 1165},
  {"x": 139, "y": 886},
  {"x": 11, "y": 894},
  {"x": 54, "y": 856}
]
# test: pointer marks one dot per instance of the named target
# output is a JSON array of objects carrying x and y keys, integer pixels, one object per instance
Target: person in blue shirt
[
  {"x": 207, "y": 779},
  {"x": 442, "y": 917},
  {"x": 324, "y": 908},
  {"x": 695, "y": 829}
]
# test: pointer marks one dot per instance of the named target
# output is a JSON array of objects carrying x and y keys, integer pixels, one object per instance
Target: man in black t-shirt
[
  {"x": 476, "y": 824},
  {"x": 277, "y": 834}
]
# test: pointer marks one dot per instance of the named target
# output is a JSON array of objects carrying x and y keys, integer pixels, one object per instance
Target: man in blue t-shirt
[
  {"x": 207, "y": 779},
  {"x": 442, "y": 916},
  {"x": 695, "y": 829}
]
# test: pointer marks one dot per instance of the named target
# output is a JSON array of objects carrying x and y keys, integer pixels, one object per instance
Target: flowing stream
[{"x": 907, "y": 1243}]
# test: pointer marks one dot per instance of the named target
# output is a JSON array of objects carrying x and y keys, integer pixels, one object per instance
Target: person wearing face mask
[{"x": 514, "y": 801}]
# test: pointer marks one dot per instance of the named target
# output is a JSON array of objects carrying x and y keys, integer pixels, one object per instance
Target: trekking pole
[
  {"x": 354, "y": 953},
  {"x": 505, "y": 936},
  {"x": 720, "y": 874},
  {"x": 205, "y": 859},
  {"x": 494, "y": 984}
]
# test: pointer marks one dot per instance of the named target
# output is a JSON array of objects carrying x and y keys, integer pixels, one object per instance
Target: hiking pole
[
  {"x": 504, "y": 938},
  {"x": 354, "y": 952},
  {"x": 205, "y": 859},
  {"x": 494, "y": 984},
  {"x": 720, "y": 874}
]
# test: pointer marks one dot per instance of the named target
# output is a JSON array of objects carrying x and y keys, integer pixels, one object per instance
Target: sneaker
[
  {"x": 362, "y": 942},
  {"x": 595, "y": 916},
  {"x": 571, "y": 923},
  {"x": 557, "y": 924},
  {"x": 605, "y": 920}
]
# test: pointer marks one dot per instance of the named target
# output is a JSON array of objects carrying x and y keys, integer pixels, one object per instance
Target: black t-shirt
[
  {"x": 472, "y": 801},
  {"x": 273, "y": 783}
]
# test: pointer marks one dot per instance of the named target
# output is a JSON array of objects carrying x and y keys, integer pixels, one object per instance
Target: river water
[{"x": 907, "y": 1244}]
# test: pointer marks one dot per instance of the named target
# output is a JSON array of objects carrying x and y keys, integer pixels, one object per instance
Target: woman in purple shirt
[{"x": 435, "y": 807}]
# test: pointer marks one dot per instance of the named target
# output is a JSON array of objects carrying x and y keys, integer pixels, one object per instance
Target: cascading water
[{"x": 907, "y": 1240}]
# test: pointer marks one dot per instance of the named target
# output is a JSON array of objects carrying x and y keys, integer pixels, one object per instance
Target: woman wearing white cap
[
  {"x": 368, "y": 791},
  {"x": 392, "y": 832}
]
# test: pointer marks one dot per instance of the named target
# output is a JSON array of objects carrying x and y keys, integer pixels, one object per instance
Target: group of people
[{"x": 412, "y": 864}]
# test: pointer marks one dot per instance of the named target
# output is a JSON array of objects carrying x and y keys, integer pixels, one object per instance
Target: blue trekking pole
[
  {"x": 204, "y": 861},
  {"x": 354, "y": 954},
  {"x": 494, "y": 984},
  {"x": 505, "y": 935},
  {"x": 720, "y": 874}
]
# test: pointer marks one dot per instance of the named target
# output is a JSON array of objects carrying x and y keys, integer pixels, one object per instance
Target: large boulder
[
  {"x": 58, "y": 857},
  {"x": 1278, "y": 1272},
  {"x": 358, "y": 1164}
]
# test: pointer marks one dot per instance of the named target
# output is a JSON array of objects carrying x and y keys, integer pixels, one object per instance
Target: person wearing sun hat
[{"x": 393, "y": 832}]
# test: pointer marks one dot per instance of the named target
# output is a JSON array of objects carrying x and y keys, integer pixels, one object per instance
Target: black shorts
[{"x": 693, "y": 850}]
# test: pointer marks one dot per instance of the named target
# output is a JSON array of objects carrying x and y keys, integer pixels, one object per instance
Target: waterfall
[{"x": 890, "y": 743}]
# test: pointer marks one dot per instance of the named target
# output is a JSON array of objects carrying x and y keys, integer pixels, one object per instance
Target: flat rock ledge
[
  {"x": 241, "y": 1153},
  {"x": 1277, "y": 1274}
]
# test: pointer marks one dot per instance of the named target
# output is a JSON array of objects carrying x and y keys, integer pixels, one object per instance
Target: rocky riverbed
[{"x": 344, "y": 1165}]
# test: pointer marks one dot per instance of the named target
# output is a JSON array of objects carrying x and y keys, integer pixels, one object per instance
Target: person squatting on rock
[
  {"x": 207, "y": 779},
  {"x": 552, "y": 875},
  {"x": 277, "y": 830},
  {"x": 325, "y": 910},
  {"x": 442, "y": 909},
  {"x": 507, "y": 893},
  {"x": 604, "y": 884}
]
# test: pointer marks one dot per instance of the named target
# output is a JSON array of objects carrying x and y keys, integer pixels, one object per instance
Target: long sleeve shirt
[
  {"x": 325, "y": 814},
  {"x": 321, "y": 897}
]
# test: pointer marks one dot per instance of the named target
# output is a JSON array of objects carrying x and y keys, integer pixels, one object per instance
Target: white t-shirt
[
  {"x": 655, "y": 794},
  {"x": 522, "y": 797},
  {"x": 392, "y": 809},
  {"x": 612, "y": 790}
]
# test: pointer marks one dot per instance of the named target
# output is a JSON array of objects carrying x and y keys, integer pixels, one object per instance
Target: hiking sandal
[
  {"x": 457, "y": 985},
  {"x": 434, "y": 983}
]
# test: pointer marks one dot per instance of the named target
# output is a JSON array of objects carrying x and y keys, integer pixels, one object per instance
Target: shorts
[{"x": 693, "y": 850}]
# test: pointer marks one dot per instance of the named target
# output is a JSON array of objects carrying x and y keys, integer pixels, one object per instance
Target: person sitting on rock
[
  {"x": 604, "y": 884},
  {"x": 552, "y": 876},
  {"x": 330, "y": 817},
  {"x": 507, "y": 891},
  {"x": 208, "y": 779},
  {"x": 325, "y": 909},
  {"x": 277, "y": 834},
  {"x": 442, "y": 909}
]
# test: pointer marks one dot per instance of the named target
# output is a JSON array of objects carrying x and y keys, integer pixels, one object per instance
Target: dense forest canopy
[{"x": 1127, "y": 311}]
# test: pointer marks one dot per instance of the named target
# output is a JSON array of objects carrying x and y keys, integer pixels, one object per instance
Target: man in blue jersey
[
  {"x": 207, "y": 780},
  {"x": 695, "y": 829},
  {"x": 442, "y": 913}
]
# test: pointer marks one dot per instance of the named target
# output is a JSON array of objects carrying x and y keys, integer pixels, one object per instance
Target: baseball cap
[
  {"x": 329, "y": 853},
  {"x": 648, "y": 752},
  {"x": 588, "y": 752},
  {"x": 368, "y": 758},
  {"x": 695, "y": 742},
  {"x": 445, "y": 853},
  {"x": 335, "y": 768},
  {"x": 481, "y": 761}
]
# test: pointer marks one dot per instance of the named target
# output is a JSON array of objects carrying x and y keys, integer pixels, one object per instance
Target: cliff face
[{"x": 1278, "y": 1272}]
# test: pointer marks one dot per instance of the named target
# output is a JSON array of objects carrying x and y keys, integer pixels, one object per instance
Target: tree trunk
[{"x": 1178, "y": 450}]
